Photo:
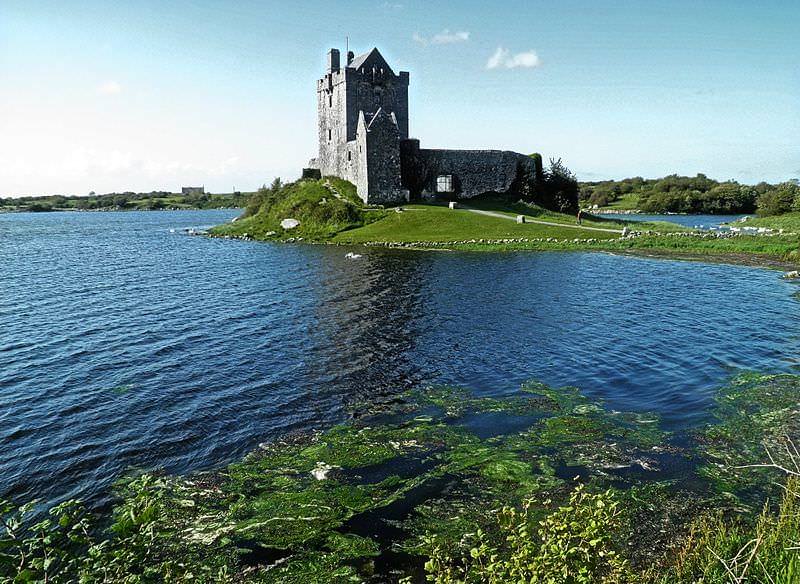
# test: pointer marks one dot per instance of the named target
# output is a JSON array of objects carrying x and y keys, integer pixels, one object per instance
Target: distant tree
[
  {"x": 781, "y": 199},
  {"x": 58, "y": 201},
  {"x": 119, "y": 201},
  {"x": 560, "y": 187},
  {"x": 39, "y": 208}
]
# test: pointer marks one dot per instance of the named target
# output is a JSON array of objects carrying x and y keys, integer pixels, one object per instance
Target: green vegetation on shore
[
  {"x": 329, "y": 211},
  {"x": 684, "y": 194},
  {"x": 453, "y": 487},
  {"x": 128, "y": 201}
]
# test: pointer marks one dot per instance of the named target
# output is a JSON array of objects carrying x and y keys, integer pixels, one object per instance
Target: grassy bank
[
  {"x": 540, "y": 485},
  {"x": 329, "y": 211},
  {"x": 789, "y": 222}
]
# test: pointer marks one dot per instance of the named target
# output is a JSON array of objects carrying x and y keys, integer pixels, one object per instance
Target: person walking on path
[{"x": 579, "y": 216}]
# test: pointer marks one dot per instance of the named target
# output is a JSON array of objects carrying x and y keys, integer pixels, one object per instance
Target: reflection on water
[{"x": 124, "y": 345}]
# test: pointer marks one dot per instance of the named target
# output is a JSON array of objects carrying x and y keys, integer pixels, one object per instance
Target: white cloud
[
  {"x": 109, "y": 88},
  {"x": 442, "y": 38},
  {"x": 418, "y": 38},
  {"x": 446, "y": 37},
  {"x": 502, "y": 58}
]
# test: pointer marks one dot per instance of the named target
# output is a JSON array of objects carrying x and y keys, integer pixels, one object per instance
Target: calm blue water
[
  {"x": 692, "y": 221},
  {"x": 123, "y": 345}
]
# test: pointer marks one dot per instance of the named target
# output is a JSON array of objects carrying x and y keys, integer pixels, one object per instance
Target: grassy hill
[
  {"x": 330, "y": 210},
  {"x": 323, "y": 208}
]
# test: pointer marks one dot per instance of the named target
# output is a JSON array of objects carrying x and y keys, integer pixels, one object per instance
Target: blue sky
[{"x": 112, "y": 96}]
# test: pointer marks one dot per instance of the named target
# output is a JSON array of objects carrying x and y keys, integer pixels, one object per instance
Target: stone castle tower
[
  {"x": 363, "y": 117},
  {"x": 364, "y": 138}
]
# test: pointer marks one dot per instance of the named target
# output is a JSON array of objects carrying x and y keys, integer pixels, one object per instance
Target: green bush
[
  {"x": 573, "y": 544},
  {"x": 782, "y": 199}
]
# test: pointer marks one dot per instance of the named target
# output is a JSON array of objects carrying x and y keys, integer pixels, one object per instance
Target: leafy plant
[{"x": 573, "y": 545}]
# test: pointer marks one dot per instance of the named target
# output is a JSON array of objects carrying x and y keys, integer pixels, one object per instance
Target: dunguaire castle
[{"x": 364, "y": 138}]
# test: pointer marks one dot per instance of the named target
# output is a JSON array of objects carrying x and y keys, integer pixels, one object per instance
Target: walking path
[
  {"x": 333, "y": 190},
  {"x": 529, "y": 220}
]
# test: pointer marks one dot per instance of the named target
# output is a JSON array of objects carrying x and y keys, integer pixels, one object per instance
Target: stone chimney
[{"x": 333, "y": 60}]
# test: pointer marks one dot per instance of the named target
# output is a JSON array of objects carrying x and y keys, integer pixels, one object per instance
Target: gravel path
[{"x": 529, "y": 220}]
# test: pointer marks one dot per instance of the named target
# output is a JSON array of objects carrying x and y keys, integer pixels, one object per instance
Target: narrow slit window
[
  {"x": 330, "y": 134},
  {"x": 444, "y": 183},
  {"x": 349, "y": 156},
  {"x": 330, "y": 101}
]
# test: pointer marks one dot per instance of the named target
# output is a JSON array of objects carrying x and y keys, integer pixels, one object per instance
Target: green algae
[
  {"x": 311, "y": 507},
  {"x": 295, "y": 501},
  {"x": 756, "y": 417}
]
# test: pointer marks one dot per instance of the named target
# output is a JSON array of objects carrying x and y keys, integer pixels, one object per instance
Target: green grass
[
  {"x": 627, "y": 202},
  {"x": 437, "y": 223},
  {"x": 787, "y": 222},
  {"x": 324, "y": 218},
  {"x": 320, "y": 213}
]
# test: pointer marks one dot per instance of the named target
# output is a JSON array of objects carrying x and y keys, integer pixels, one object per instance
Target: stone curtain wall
[{"x": 474, "y": 172}]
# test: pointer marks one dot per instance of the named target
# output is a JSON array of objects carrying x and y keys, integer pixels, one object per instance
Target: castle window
[
  {"x": 444, "y": 183},
  {"x": 349, "y": 156},
  {"x": 330, "y": 101},
  {"x": 329, "y": 135}
]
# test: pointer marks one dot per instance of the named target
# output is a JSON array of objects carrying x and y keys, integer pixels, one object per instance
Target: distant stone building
[
  {"x": 364, "y": 138},
  {"x": 193, "y": 190}
]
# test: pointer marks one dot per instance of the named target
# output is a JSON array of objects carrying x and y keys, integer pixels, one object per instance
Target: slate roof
[{"x": 373, "y": 58}]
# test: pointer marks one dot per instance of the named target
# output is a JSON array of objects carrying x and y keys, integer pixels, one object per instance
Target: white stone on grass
[{"x": 289, "y": 223}]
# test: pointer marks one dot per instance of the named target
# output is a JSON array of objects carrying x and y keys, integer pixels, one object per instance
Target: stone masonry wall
[
  {"x": 383, "y": 161},
  {"x": 474, "y": 172}
]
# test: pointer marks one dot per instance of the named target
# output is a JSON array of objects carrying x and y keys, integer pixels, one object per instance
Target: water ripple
[{"x": 124, "y": 346}]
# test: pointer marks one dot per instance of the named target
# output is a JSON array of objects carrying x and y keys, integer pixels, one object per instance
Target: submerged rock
[{"x": 320, "y": 472}]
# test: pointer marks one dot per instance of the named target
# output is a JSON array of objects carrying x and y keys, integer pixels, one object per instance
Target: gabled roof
[
  {"x": 380, "y": 116},
  {"x": 369, "y": 60}
]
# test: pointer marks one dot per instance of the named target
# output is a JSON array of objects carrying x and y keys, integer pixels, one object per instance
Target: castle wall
[
  {"x": 383, "y": 162},
  {"x": 331, "y": 122},
  {"x": 473, "y": 172},
  {"x": 369, "y": 93}
]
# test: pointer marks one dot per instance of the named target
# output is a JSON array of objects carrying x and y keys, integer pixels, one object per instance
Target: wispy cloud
[
  {"x": 392, "y": 6},
  {"x": 109, "y": 88},
  {"x": 503, "y": 58},
  {"x": 446, "y": 37}
]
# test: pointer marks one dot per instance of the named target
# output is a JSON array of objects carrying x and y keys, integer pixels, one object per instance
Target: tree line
[
  {"x": 697, "y": 194},
  {"x": 124, "y": 201}
]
